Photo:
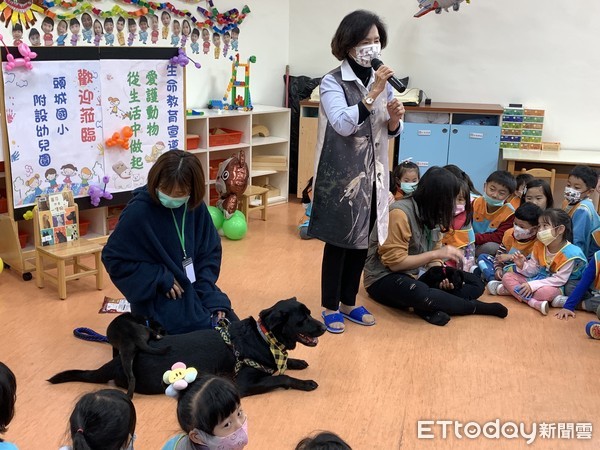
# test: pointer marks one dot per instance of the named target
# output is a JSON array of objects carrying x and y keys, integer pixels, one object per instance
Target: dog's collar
[{"x": 277, "y": 348}]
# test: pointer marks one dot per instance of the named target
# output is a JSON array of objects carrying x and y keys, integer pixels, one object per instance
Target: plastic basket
[{"x": 224, "y": 137}]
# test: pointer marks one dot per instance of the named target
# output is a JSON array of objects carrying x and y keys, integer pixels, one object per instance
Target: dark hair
[
  {"x": 68, "y": 166},
  {"x": 131, "y": 21},
  {"x": 195, "y": 32},
  {"x": 17, "y": 27},
  {"x": 86, "y": 14},
  {"x": 50, "y": 171},
  {"x": 102, "y": 420},
  {"x": 557, "y": 217},
  {"x": 235, "y": 30},
  {"x": 97, "y": 22},
  {"x": 216, "y": 34},
  {"x": 436, "y": 196},
  {"x": 73, "y": 21},
  {"x": 8, "y": 396},
  {"x": 354, "y": 28},
  {"x": 143, "y": 19},
  {"x": 108, "y": 20},
  {"x": 206, "y": 402},
  {"x": 324, "y": 440},
  {"x": 306, "y": 190},
  {"x": 227, "y": 34},
  {"x": 523, "y": 178},
  {"x": 461, "y": 175},
  {"x": 61, "y": 21},
  {"x": 33, "y": 32},
  {"x": 393, "y": 184},
  {"x": 165, "y": 13},
  {"x": 122, "y": 19},
  {"x": 48, "y": 20},
  {"x": 404, "y": 167},
  {"x": 529, "y": 213},
  {"x": 503, "y": 178},
  {"x": 537, "y": 182},
  {"x": 177, "y": 168},
  {"x": 586, "y": 174}
]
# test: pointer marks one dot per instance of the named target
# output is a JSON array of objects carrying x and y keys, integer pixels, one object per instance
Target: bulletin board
[{"x": 60, "y": 114}]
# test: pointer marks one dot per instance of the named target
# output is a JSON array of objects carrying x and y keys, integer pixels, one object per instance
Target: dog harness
[{"x": 239, "y": 362}]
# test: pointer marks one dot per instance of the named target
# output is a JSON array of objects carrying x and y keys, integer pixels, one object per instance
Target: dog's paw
[
  {"x": 306, "y": 385},
  {"x": 296, "y": 364}
]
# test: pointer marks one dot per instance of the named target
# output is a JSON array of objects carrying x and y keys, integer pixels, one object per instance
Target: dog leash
[
  {"x": 87, "y": 334},
  {"x": 238, "y": 361}
]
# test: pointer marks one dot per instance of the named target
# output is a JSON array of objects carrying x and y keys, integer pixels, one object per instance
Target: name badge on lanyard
[
  {"x": 188, "y": 266},
  {"x": 188, "y": 263}
]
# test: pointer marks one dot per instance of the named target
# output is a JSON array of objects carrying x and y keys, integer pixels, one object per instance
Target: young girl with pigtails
[{"x": 210, "y": 414}]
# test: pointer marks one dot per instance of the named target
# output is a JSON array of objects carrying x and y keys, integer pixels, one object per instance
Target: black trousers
[{"x": 401, "y": 291}]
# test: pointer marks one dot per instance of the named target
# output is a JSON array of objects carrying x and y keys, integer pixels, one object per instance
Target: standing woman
[
  {"x": 413, "y": 245},
  {"x": 357, "y": 116},
  {"x": 165, "y": 253}
]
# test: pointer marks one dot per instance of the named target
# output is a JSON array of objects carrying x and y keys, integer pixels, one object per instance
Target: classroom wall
[{"x": 539, "y": 53}]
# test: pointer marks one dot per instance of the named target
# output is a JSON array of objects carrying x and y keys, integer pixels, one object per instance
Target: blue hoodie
[{"x": 143, "y": 256}]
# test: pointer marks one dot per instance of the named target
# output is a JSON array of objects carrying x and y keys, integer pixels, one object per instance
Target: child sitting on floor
[
  {"x": 580, "y": 185},
  {"x": 8, "y": 397},
  {"x": 553, "y": 262},
  {"x": 539, "y": 193},
  {"x": 462, "y": 175},
  {"x": 406, "y": 175},
  {"x": 520, "y": 238},
  {"x": 462, "y": 235}
]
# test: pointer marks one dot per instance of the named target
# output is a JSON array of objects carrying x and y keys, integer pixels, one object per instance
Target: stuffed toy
[
  {"x": 231, "y": 182},
  {"x": 178, "y": 378}
]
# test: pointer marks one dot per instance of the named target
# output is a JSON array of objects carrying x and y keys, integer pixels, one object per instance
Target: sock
[
  {"x": 490, "y": 309},
  {"x": 438, "y": 318}
]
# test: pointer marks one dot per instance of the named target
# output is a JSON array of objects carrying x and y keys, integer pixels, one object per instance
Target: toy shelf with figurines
[{"x": 265, "y": 133}]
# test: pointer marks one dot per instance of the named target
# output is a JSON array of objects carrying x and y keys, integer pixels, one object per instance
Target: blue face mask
[
  {"x": 491, "y": 201},
  {"x": 171, "y": 202},
  {"x": 408, "y": 188}
]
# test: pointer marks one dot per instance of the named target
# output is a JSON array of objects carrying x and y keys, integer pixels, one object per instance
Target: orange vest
[
  {"x": 512, "y": 245},
  {"x": 596, "y": 282},
  {"x": 514, "y": 201},
  {"x": 569, "y": 252},
  {"x": 459, "y": 238},
  {"x": 484, "y": 221}
]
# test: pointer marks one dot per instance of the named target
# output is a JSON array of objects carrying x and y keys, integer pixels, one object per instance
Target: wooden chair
[
  {"x": 542, "y": 173},
  {"x": 63, "y": 254},
  {"x": 253, "y": 191}
]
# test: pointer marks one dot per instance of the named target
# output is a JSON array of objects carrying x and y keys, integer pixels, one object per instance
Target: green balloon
[
  {"x": 217, "y": 216},
  {"x": 235, "y": 227}
]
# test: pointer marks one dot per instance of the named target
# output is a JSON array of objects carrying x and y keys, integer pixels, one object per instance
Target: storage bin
[
  {"x": 3, "y": 205},
  {"x": 83, "y": 226},
  {"x": 223, "y": 136},
  {"x": 192, "y": 141},
  {"x": 213, "y": 168},
  {"x": 23, "y": 235}
]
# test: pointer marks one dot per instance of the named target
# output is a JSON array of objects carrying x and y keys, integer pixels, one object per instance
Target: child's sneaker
[
  {"x": 493, "y": 286},
  {"x": 593, "y": 329},
  {"x": 559, "y": 301},
  {"x": 542, "y": 307}
]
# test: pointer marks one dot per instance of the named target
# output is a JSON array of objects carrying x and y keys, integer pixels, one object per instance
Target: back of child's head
[
  {"x": 586, "y": 174},
  {"x": 546, "y": 189},
  {"x": 530, "y": 213},
  {"x": 522, "y": 179},
  {"x": 206, "y": 402},
  {"x": 557, "y": 217},
  {"x": 503, "y": 178},
  {"x": 462, "y": 175},
  {"x": 8, "y": 396},
  {"x": 102, "y": 420},
  {"x": 306, "y": 191},
  {"x": 323, "y": 441},
  {"x": 403, "y": 167}
]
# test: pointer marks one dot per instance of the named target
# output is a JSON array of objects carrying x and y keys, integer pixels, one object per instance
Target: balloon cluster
[
  {"x": 122, "y": 142},
  {"x": 234, "y": 228},
  {"x": 97, "y": 193},
  {"x": 183, "y": 60}
]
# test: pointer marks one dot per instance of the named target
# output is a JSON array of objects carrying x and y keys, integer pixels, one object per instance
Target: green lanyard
[{"x": 181, "y": 234}]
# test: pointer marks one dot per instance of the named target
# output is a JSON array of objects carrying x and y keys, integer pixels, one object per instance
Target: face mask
[
  {"x": 459, "y": 209},
  {"x": 492, "y": 202},
  {"x": 365, "y": 53},
  {"x": 572, "y": 195},
  {"x": 521, "y": 233},
  {"x": 171, "y": 202},
  {"x": 408, "y": 188},
  {"x": 234, "y": 441},
  {"x": 545, "y": 236}
]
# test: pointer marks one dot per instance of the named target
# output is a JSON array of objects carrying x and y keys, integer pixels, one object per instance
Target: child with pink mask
[{"x": 209, "y": 412}]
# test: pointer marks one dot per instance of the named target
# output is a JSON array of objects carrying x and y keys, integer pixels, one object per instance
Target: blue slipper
[
  {"x": 328, "y": 319},
  {"x": 593, "y": 329},
  {"x": 356, "y": 316}
]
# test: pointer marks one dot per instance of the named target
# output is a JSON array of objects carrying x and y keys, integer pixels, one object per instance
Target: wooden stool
[
  {"x": 68, "y": 253},
  {"x": 252, "y": 191}
]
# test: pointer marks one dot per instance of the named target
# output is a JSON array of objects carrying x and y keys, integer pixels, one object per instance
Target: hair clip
[
  {"x": 407, "y": 160},
  {"x": 178, "y": 378}
]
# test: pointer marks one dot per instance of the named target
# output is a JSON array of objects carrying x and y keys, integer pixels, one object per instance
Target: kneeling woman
[{"x": 413, "y": 245}]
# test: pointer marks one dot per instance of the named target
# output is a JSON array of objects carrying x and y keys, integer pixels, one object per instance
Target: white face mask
[
  {"x": 522, "y": 233},
  {"x": 366, "y": 53}
]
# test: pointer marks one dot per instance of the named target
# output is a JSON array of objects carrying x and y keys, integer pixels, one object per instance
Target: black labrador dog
[
  {"x": 129, "y": 334},
  {"x": 248, "y": 357},
  {"x": 436, "y": 274}
]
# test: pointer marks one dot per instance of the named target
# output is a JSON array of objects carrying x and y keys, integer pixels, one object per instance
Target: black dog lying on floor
[
  {"x": 257, "y": 350},
  {"x": 436, "y": 274},
  {"x": 129, "y": 334}
]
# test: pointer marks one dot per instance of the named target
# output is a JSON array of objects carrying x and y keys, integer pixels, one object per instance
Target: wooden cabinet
[
  {"x": 470, "y": 139},
  {"x": 309, "y": 119},
  {"x": 267, "y": 156}
]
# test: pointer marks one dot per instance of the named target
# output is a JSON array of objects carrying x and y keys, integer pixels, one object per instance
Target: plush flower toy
[{"x": 178, "y": 378}]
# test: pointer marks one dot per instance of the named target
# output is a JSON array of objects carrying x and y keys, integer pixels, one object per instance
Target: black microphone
[{"x": 399, "y": 85}]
